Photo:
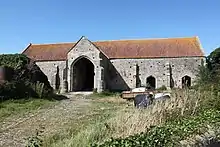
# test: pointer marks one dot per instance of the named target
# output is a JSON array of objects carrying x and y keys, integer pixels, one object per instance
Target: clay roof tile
[{"x": 148, "y": 48}]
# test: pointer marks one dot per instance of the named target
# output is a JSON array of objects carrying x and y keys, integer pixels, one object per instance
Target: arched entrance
[
  {"x": 151, "y": 82},
  {"x": 82, "y": 75},
  {"x": 186, "y": 81}
]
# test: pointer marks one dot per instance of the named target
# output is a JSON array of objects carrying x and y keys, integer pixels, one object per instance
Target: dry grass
[
  {"x": 83, "y": 129},
  {"x": 129, "y": 120}
]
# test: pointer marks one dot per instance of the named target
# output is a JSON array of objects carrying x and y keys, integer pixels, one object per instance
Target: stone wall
[
  {"x": 127, "y": 71},
  {"x": 54, "y": 70},
  {"x": 122, "y": 74}
]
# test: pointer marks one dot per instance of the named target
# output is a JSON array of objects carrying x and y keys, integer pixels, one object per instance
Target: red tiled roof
[
  {"x": 48, "y": 52},
  {"x": 151, "y": 48}
]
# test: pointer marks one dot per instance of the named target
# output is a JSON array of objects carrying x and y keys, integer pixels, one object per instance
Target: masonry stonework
[
  {"x": 178, "y": 68},
  {"x": 85, "y": 49},
  {"x": 54, "y": 70}
]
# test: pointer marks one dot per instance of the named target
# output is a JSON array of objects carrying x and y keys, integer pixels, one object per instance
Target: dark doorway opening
[
  {"x": 186, "y": 81},
  {"x": 83, "y": 75},
  {"x": 151, "y": 82}
]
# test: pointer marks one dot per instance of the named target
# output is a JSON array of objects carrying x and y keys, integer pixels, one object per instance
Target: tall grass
[{"x": 130, "y": 121}]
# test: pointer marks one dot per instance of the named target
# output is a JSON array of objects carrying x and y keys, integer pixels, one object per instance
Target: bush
[
  {"x": 15, "y": 61},
  {"x": 27, "y": 80},
  {"x": 208, "y": 78}
]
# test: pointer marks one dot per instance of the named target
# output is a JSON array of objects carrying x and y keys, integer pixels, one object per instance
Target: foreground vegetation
[
  {"x": 167, "y": 122},
  {"x": 171, "y": 133}
]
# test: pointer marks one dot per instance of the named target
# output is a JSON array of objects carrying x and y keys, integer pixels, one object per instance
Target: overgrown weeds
[
  {"x": 169, "y": 134},
  {"x": 113, "y": 117},
  {"x": 130, "y": 121}
]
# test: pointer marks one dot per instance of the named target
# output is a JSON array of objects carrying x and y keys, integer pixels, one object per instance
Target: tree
[
  {"x": 209, "y": 74},
  {"x": 214, "y": 64},
  {"x": 214, "y": 60}
]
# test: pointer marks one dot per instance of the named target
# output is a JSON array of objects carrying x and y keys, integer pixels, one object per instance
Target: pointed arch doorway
[{"x": 82, "y": 75}]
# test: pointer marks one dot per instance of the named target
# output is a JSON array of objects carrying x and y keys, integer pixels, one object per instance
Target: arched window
[
  {"x": 151, "y": 82},
  {"x": 186, "y": 81}
]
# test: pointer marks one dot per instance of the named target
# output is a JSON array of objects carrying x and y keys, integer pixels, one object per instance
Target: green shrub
[
  {"x": 15, "y": 61},
  {"x": 208, "y": 76},
  {"x": 27, "y": 79}
]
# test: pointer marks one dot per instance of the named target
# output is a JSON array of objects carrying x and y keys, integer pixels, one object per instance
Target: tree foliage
[
  {"x": 209, "y": 74},
  {"x": 214, "y": 60},
  {"x": 15, "y": 61},
  {"x": 26, "y": 78}
]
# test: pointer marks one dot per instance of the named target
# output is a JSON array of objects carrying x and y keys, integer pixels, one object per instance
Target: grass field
[{"x": 84, "y": 120}]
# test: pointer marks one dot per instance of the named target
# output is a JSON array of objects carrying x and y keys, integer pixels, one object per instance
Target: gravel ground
[{"x": 14, "y": 130}]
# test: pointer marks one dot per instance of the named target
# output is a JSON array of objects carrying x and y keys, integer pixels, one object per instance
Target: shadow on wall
[
  {"x": 171, "y": 77},
  {"x": 57, "y": 83},
  {"x": 115, "y": 82},
  {"x": 138, "y": 80}
]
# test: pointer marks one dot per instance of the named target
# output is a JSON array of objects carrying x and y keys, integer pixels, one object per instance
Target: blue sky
[{"x": 51, "y": 21}]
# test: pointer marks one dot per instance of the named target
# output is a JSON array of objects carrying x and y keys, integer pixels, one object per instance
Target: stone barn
[{"x": 120, "y": 64}]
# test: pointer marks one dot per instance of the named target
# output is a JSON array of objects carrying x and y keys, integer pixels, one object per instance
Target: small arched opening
[
  {"x": 151, "y": 82},
  {"x": 82, "y": 75},
  {"x": 186, "y": 81}
]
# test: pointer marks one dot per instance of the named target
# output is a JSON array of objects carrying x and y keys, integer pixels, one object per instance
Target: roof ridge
[
  {"x": 145, "y": 39},
  {"x": 117, "y": 40},
  {"x": 54, "y": 43}
]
